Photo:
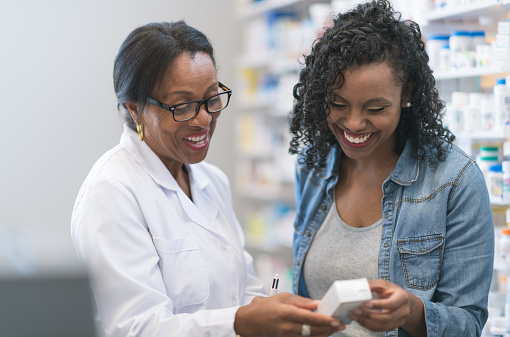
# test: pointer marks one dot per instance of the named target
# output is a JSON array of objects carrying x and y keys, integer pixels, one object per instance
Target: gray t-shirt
[{"x": 342, "y": 252}]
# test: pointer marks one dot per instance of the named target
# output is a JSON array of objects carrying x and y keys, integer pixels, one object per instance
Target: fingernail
[
  {"x": 369, "y": 305},
  {"x": 335, "y": 324}
]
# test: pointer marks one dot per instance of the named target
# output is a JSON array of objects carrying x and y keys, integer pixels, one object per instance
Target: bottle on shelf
[
  {"x": 487, "y": 157},
  {"x": 504, "y": 250},
  {"x": 502, "y": 102},
  {"x": 504, "y": 257},
  {"x": 434, "y": 45},
  {"x": 506, "y": 173},
  {"x": 495, "y": 183},
  {"x": 460, "y": 46},
  {"x": 502, "y": 44}
]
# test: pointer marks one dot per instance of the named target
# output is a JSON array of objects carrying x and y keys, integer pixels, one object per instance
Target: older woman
[
  {"x": 381, "y": 191},
  {"x": 155, "y": 224}
]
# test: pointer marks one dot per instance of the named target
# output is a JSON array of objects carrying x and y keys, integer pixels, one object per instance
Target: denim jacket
[{"x": 437, "y": 238}]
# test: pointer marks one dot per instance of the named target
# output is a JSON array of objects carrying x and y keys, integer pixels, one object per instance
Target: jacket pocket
[
  {"x": 421, "y": 260},
  {"x": 183, "y": 269}
]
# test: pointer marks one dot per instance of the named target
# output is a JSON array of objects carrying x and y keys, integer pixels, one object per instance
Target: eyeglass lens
[{"x": 189, "y": 110}]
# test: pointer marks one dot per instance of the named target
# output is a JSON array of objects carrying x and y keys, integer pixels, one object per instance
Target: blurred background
[{"x": 59, "y": 112}]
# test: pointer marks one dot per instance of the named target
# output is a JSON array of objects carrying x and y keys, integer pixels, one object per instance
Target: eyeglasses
[{"x": 189, "y": 110}]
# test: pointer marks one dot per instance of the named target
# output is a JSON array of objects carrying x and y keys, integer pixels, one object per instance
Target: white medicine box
[{"x": 343, "y": 296}]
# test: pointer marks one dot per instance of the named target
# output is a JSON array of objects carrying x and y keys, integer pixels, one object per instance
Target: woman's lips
[
  {"x": 357, "y": 140},
  {"x": 197, "y": 141}
]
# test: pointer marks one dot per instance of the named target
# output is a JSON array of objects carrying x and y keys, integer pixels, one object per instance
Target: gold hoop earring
[{"x": 139, "y": 130}]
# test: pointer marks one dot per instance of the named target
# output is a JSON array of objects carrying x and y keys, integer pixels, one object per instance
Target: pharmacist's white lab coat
[{"x": 161, "y": 265}]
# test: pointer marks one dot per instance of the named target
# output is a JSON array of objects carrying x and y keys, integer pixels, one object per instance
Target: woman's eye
[
  {"x": 375, "y": 109},
  {"x": 338, "y": 105},
  {"x": 183, "y": 108},
  {"x": 213, "y": 100}
]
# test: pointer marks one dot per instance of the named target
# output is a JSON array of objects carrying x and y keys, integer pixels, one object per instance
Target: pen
[{"x": 274, "y": 286}]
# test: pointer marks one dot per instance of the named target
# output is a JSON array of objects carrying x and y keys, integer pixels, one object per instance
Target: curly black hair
[{"x": 371, "y": 32}]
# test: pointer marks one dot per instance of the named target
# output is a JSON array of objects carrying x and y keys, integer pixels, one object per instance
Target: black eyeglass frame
[{"x": 200, "y": 103}]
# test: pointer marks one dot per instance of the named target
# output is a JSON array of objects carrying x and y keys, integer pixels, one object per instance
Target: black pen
[{"x": 274, "y": 286}]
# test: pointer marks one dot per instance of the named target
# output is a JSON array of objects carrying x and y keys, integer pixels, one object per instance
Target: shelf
[
  {"x": 282, "y": 249},
  {"x": 467, "y": 72},
  {"x": 497, "y": 202},
  {"x": 263, "y": 6},
  {"x": 256, "y": 192},
  {"x": 481, "y": 136},
  {"x": 269, "y": 61},
  {"x": 469, "y": 11},
  {"x": 498, "y": 266}
]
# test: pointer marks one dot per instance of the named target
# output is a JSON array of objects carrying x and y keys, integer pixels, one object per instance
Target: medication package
[{"x": 343, "y": 296}]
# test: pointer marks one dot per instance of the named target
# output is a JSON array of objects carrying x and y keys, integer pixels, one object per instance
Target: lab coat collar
[
  {"x": 203, "y": 210},
  {"x": 150, "y": 162}
]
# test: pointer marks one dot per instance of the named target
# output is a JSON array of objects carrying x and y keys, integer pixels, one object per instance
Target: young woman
[{"x": 381, "y": 191}]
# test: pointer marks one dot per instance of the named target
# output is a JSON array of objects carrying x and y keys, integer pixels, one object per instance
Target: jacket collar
[
  {"x": 405, "y": 172},
  {"x": 407, "y": 169}
]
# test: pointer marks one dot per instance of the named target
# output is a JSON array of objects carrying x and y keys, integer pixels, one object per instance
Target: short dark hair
[
  {"x": 145, "y": 55},
  {"x": 371, "y": 32}
]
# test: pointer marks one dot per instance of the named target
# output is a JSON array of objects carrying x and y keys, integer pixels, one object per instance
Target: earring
[
  {"x": 139, "y": 130},
  {"x": 408, "y": 104}
]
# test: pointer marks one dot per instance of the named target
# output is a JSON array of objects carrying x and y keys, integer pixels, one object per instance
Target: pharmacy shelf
[
  {"x": 269, "y": 61},
  {"x": 469, "y": 11},
  {"x": 498, "y": 203},
  {"x": 278, "y": 248},
  {"x": 263, "y": 6},
  {"x": 283, "y": 191},
  {"x": 496, "y": 136},
  {"x": 468, "y": 72}
]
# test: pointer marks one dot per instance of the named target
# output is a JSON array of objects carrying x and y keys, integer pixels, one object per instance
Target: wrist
[
  {"x": 415, "y": 323},
  {"x": 238, "y": 322}
]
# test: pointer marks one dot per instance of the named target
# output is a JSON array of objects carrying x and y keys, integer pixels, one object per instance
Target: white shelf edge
[
  {"x": 269, "y": 61},
  {"x": 498, "y": 203},
  {"x": 267, "y": 247},
  {"x": 467, "y": 72},
  {"x": 262, "y": 6},
  {"x": 481, "y": 135},
  {"x": 448, "y": 13},
  {"x": 498, "y": 266}
]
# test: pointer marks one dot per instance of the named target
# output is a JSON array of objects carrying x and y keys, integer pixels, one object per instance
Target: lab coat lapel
[{"x": 202, "y": 202}]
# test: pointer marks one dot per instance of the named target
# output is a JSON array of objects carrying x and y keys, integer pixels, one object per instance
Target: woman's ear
[
  {"x": 407, "y": 96},
  {"x": 133, "y": 111}
]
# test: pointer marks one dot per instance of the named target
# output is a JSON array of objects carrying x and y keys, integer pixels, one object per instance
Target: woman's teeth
[
  {"x": 197, "y": 140},
  {"x": 357, "y": 140}
]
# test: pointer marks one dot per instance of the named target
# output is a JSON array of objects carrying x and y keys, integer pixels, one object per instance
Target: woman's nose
[
  {"x": 203, "y": 118},
  {"x": 354, "y": 121}
]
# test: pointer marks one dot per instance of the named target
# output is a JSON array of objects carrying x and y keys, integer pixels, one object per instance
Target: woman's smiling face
[
  {"x": 187, "y": 79},
  {"x": 365, "y": 111}
]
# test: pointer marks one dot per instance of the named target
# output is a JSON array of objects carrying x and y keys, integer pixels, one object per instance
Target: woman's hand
[
  {"x": 283, "y": 315},
  {"x": 393, "y": 308}
]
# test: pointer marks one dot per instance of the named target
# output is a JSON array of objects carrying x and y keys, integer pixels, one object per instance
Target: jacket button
[
  {"x": 386, "y": 245},
  {"x": 386, "y": 215},
  {"x": 308, "y": 234},
  {"x": 324, "y": 208},
  {"x": 298, "y": 263}
]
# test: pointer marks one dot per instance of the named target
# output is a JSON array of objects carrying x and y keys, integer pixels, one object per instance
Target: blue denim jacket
[{"x": 437, "y": 238}]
